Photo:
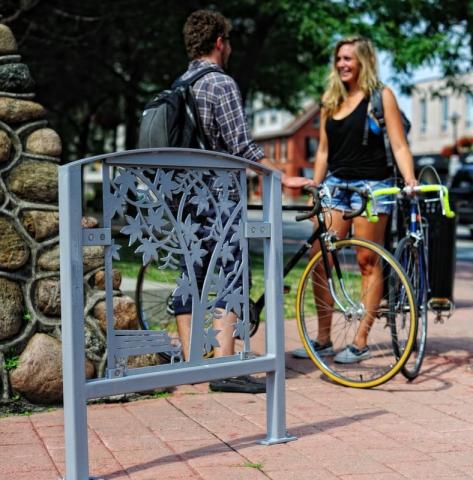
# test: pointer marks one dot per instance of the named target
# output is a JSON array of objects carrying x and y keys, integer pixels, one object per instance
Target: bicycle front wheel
[
  {"x": 410, "y": 257},
  {"x": 354, "y": 303}
]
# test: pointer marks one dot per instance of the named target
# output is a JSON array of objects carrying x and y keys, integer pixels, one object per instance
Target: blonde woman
[{"x": 344, "y": 157}]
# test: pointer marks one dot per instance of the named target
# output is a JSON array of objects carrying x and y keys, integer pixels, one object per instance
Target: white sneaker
[
  {"x": 322, "y": 350},
  {"x": 351, "y": 354}
]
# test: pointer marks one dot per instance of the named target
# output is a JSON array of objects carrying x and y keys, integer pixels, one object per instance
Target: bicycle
[
  {"x": 399, "y": 321},
  {"x": 412, "y": 253},
  {"x": 334, "y": 297}
]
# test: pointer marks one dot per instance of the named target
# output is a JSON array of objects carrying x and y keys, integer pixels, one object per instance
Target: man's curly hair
[{"x": 201, "y": 30}]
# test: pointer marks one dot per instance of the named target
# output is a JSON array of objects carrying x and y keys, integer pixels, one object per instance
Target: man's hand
[{"x": 295, "y": 182}]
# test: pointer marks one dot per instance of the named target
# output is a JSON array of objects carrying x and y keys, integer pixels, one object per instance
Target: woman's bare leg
[
  {"x": 322, "y": 295},
  {"x": 372, "y": 274}
]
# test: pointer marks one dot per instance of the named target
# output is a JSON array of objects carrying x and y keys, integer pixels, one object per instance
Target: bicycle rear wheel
[
  {"x": 154, "y": 302},
  {"x": 357, "y": 303},
  {"x": 410, "y": 257},
  {"x": 153, "y": 298}
]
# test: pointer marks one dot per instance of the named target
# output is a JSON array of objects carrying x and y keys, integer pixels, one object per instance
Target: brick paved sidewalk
[{"x": 420, "y": 430}]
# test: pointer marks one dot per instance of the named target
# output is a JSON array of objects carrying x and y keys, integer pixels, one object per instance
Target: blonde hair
[{"x": 368, "y": 80}]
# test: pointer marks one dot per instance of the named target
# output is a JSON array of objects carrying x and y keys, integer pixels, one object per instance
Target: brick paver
[{"x": 400, "y": 430}]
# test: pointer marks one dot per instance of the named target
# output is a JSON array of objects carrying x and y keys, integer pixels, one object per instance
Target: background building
[
  {"x": 442, "y": 122},
  {"x": 289, "y": 142}
]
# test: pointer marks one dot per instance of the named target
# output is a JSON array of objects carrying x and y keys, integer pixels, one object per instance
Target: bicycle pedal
[
  {"x": 440, "y": 305},
  {"x": 286, "y": 289}
]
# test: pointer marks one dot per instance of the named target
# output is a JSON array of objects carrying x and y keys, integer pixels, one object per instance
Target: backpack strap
[
  {"x": 190, "y": 104},
  {"x": 193, "y": 78},
  {"x": 376, "y": 102}
]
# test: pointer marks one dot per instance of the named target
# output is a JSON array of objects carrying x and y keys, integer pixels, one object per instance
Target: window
[
  {"x": 469, "y": 111},
  {"x": 423, "y": 115},
  {"x": 310, "y": 148},
  {"x": 283, "y": 150},
  {"x": 261, "y": 120},
  {"x": 444, "y": 113},
  {"x": 273, "y": 118}
]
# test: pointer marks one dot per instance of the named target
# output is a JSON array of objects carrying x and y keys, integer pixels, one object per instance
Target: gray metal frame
[{"x": 120, "y": 344}]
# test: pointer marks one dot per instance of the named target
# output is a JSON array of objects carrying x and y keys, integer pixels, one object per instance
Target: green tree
[
  {"x": 423, "y": 33},
  {"x": 97, "y": 63}
]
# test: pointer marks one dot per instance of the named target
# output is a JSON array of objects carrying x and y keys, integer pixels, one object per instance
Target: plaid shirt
[{"x": 221, "y": 111}]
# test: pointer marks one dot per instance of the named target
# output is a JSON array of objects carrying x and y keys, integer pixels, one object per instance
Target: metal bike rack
[{"x": 159, "y": 183}]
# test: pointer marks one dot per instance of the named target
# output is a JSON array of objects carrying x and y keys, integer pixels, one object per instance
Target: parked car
[{"x": 461, "y": 191}]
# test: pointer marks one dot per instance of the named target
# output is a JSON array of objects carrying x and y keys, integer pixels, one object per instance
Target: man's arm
[{"x": 230, "y": 117}]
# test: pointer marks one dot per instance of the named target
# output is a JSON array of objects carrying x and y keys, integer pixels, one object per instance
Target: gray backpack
[{"x": 171, "y": 118}]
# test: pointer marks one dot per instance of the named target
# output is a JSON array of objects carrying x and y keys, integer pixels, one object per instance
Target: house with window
[
  {"x": 289, "y": 142},
  {"x": 442, "y": 121}
]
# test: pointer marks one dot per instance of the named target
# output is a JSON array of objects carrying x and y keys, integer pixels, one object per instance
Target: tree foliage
[
  {"x": 423, "y": 33},
  {"x": 97, "y": 62}
]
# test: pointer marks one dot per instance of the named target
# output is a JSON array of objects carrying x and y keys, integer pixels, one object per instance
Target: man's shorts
[{"x": 346, "y": 201}]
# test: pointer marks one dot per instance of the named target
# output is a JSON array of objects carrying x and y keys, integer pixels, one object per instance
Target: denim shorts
[{"x": 344, "y": 200}]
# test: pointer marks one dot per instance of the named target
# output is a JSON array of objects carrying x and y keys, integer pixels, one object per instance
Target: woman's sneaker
[
  {"x": 351, "y": 354},
  {"x": 322, "y": 350}
]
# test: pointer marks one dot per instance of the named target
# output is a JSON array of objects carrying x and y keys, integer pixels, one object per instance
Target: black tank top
[{"x": 348, "y": 158}]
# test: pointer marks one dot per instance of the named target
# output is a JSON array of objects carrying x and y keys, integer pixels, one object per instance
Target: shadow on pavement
[{"x": 221, "y": 446}]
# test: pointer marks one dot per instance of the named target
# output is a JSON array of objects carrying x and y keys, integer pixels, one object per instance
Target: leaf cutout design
[
  {"x": 133, "y": 229},
  {"x": 184, "y": 288}
]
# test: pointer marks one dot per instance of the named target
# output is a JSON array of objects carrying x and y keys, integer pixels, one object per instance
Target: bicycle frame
[
  {"x": 324, "y": 237},
  {"x": 416, "y": 232}
]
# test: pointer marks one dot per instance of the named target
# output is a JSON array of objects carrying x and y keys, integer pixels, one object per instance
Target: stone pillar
[{"x": 29, "y": 245}]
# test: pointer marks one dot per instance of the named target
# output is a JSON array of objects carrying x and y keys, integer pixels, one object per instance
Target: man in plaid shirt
[{"x": 206, "y": 35}]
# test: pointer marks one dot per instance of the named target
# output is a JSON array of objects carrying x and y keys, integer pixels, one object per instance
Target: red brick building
[{"x": 292, "y": 148}]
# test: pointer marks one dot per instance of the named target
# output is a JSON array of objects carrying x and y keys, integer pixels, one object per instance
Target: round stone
[
  {"x": 125, "y": 314},
  {"x": 11, "y": 308},
  {"x": 48, "y": 297},
  {"x": 44, "y": 141},
  {"x": 99, "y": 279},
  {"x": 49, "y": 260},
  {"x": 34, "y": 180},
  {"x": 41, "y": 224},
  {"x": 7, "y": 41},
  {"x": 5, "y": 147},
  {"x": 14, "y": 252},
  {"x": 93, "y": 257},
  {"x": 14, "y": 110},
  {"x": 39, "y": 373},
  {"x": 15, "y": 77},
  {"x": 89, "y": 222}
]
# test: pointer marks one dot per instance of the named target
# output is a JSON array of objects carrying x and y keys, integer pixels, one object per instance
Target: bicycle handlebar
[
  {"x": 314, "y": 191},
  {"x": 407, "y": 191},
  {"x": 364, "y": 195},
  {"x": 316, "y": 197}
]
